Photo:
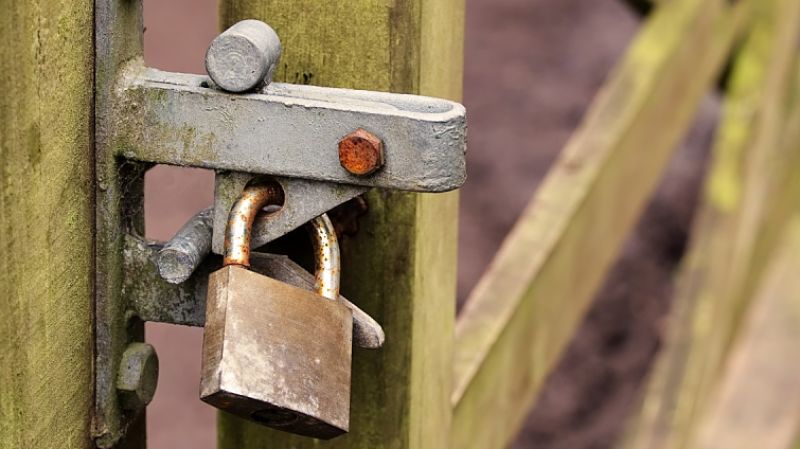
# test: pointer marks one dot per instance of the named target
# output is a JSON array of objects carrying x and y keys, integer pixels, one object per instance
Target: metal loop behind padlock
[
  {"x": 323, "y": 236},
  {"x": 328, "y": 261}
]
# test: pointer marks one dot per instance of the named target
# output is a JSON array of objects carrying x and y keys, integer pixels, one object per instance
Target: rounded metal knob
[{"x": 244, "y": 57}]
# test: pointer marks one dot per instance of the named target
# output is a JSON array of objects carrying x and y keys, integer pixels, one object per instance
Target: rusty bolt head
[
  {"x": 361, "y": 153},
  {"x": 138, "y": 376}
]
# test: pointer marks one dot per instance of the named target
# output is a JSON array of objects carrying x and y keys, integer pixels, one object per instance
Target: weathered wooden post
[
  {"x": 401, "y": 267},
  {"x": 46, "y": 223}
]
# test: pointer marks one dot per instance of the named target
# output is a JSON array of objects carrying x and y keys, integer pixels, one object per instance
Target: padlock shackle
[
  {"x": 240, "y": 220},
  {"x": 328, "y": 261},
  {"x": 323, "y": 236}
]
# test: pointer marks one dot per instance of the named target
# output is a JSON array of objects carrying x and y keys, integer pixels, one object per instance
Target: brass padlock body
[
  {"x": 277, "y": 354},
  {"x": 274, "y": 353}
]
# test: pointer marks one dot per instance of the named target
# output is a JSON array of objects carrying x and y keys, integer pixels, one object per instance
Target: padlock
[{"x": 274, "y": 353}]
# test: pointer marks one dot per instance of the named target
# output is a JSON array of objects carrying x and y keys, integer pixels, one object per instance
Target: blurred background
[{"x": 532, "y": 67}]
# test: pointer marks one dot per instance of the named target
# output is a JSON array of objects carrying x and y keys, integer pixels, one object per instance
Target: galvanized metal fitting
[
  {"x": 244, "y": 57},
  {"x": 178, "y": 259},
  {"x": 138, "y": 376},
  {"x": 361, "y": 152}
]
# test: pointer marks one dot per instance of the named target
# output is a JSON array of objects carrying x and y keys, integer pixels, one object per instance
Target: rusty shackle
[{"x": 323, "y": 236}]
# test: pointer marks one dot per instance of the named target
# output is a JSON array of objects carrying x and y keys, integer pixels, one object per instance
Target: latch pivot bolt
[
  {"x": 361, "y": 152},
  {"x": 138, "y": 376},
  {"x": 244, "y": 57}
]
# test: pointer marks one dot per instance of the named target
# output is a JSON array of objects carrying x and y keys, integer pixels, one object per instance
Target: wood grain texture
[
  {"x": 46, "y": 218},
  {"x": 749, "y": 193},
  {"x": 757, "y": 403},
  {"x": 527, "y": 306},
  {"x": 401, "y": 267}
]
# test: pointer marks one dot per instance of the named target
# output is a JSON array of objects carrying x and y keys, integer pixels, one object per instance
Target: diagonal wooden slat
[{"x": 526, "y": 307}]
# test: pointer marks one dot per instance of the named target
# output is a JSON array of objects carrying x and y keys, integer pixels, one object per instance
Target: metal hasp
[
  {"x": 294, "y": 134},
  {"x": 290, "y": 131},
  {"x": 323, "y": 146}
]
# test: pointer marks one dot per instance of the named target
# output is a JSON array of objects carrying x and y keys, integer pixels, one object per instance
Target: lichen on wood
[
  {"x": 750, "y": 191},
  {"x": 46, "y": 222}
]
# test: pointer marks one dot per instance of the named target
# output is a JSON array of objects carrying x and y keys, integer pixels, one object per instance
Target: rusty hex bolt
[
  {"x": 138, "y": 376},
  {"x": 361, "y": 152}
]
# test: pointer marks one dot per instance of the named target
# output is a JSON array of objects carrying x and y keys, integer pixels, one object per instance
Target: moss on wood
[{"x": 46, "y": 223}]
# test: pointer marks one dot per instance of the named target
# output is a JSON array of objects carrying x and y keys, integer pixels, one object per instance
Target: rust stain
[
  {"x": 254, "y": 198},
  {"x": 361, "y": 152},
  {"x": 345, "y": 217}
]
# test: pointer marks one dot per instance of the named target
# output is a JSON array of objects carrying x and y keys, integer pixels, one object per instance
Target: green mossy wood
[
  {"x": 401, "y": 267},
  {"x": 757, "y": 402},
  {"x": 751, "y": 190},
  {"x": 46, "y": 222},
  {"x": 527, "y": 306}
]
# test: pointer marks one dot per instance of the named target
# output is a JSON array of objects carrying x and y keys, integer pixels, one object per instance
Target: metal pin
[
  {"x": 244, "y": 57},
  {"x": 178, "y": 259}
]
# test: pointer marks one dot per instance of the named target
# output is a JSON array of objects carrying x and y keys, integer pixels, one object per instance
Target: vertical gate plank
[
  {"x": 747, "y": 196},
  {"x": 758, "y": 403},
  {"x": 401, "y": 266},
  {"x": 46, "y": 217}
]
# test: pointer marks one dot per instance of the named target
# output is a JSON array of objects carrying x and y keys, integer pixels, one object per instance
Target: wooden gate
[{"x": 442, "y": 382}]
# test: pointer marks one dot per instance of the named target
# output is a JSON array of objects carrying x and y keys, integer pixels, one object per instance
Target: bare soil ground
[{"x": 532, "y": 68}]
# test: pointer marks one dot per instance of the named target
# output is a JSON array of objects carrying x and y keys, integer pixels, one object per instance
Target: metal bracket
[
  {"x": 304, "y": 200},
  {"x": 304, "y": 137},
  {"x": 290, "y": 131}
]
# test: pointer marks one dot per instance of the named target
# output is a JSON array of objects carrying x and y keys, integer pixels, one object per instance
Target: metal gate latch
[
  {"x": 324, "y": 146},
  {"x": 310, "y": 136}
]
